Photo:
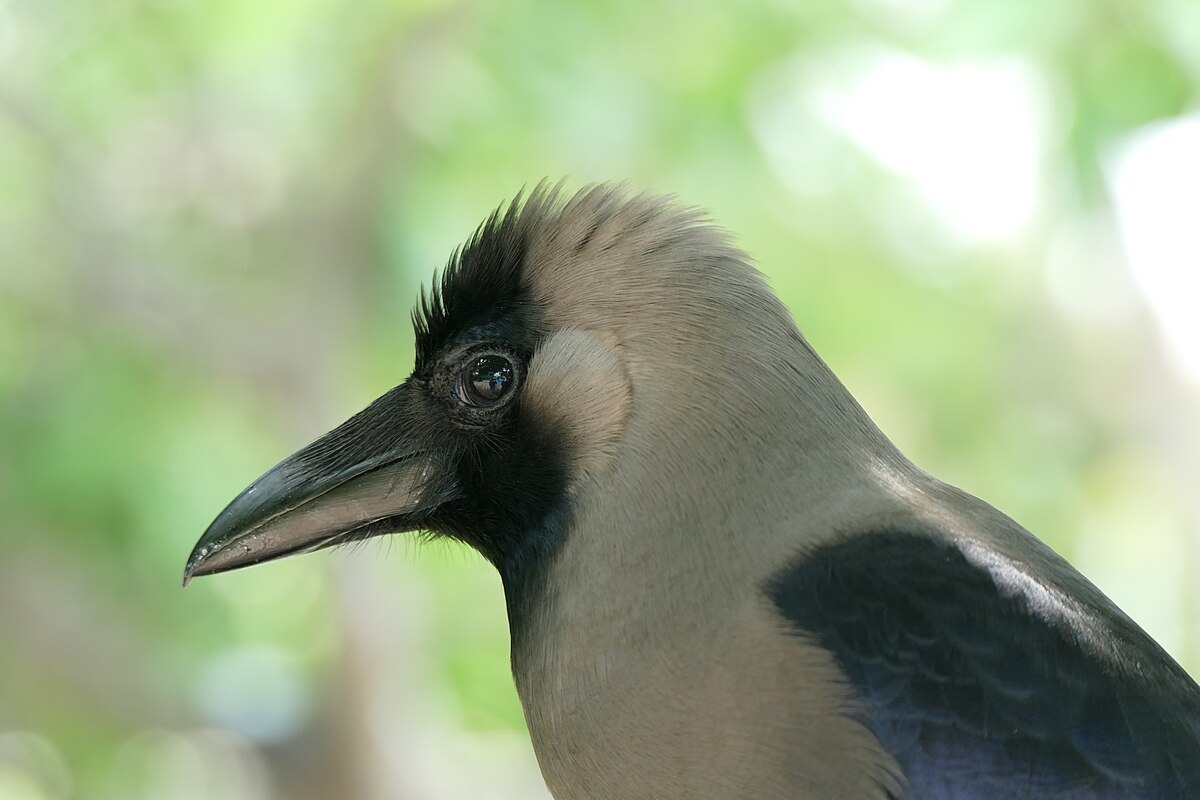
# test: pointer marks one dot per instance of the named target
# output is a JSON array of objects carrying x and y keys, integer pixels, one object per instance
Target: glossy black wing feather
[{"x": 984, "y": 680}]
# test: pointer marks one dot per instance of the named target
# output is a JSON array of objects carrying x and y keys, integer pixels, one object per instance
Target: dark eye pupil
[{"x": 489, "y": 379}]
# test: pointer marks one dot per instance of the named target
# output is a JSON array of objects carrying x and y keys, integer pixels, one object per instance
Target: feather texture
[{"x": 983, "y": 680}]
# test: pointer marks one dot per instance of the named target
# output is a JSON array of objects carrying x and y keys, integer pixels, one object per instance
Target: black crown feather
[{"x": 483, "y": 277}]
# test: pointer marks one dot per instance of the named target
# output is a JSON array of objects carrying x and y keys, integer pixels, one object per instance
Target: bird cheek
[{"x": 577, "y": 385}]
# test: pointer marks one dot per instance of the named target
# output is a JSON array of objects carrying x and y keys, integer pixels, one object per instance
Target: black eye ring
[{"x": 484, "y": 380}]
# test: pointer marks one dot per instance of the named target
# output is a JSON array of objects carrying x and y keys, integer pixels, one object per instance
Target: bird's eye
[{"x": 484, "y": 380}]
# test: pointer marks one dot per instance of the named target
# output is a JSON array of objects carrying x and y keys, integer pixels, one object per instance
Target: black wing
[{"x": 984, "y": 681}]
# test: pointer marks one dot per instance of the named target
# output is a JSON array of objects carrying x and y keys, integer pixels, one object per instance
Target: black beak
[{"x": 374, "y": 474}]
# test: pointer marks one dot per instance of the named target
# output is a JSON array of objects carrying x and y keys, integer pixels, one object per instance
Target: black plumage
[{"x": 985, "y": 681}]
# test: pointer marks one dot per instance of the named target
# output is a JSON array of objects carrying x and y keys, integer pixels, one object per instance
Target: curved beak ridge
[{"x": 367, "y": 477}]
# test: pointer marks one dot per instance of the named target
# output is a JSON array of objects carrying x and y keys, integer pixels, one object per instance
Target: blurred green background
[{"x": 214, "y": 216}]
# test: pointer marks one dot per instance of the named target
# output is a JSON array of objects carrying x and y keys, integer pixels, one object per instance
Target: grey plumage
[{"x": 722, "y": 579}]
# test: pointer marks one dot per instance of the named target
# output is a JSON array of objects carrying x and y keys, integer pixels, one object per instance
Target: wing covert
[{"x": 984, "y": 680}]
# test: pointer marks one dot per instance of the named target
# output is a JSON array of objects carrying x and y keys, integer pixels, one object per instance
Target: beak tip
[
  {"x": 194, "y": 562},
  {"x": 188, "y": 574}
]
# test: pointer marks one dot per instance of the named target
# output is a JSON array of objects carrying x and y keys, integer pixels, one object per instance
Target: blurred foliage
[{"x": 213, "y": 220}]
